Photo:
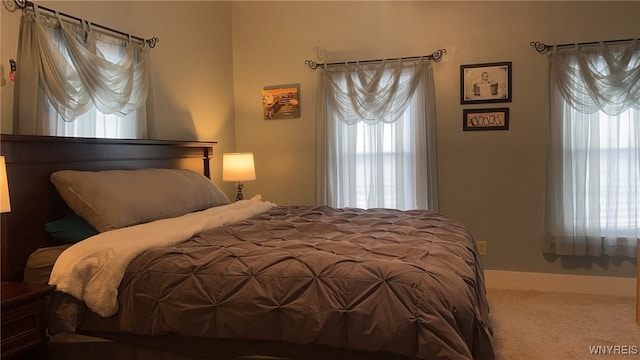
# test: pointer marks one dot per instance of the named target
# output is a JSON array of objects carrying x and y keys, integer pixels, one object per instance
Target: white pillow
[{"x": 113, "y": 199}]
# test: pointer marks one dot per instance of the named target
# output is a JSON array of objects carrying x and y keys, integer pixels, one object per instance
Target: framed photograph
[
  {"x": 485, "y": 83},
  {"x": 281, "y": 102},
  {"x": 485, "y": 119}
]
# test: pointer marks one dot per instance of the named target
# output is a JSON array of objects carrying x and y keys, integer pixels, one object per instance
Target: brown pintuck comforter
[{"x": 409, "y": 283}]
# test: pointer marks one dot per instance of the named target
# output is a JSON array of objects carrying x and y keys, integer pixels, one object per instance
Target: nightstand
[{"x": 24, "y": 332}]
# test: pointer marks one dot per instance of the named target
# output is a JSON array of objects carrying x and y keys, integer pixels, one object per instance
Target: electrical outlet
[{"x": 482, "y": 247}]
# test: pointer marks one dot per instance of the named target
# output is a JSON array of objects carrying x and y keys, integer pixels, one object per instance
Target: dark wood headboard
[{"x": 35, "y": 201}]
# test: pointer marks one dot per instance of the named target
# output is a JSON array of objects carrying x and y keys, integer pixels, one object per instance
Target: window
[
  {"x": 375, "y": 165},
  {"x": 380, "y": 136},
  {"x": 610, "y": 155},
  {"x": 619, "y": 196},
  {"x": 594, "y": 173}
]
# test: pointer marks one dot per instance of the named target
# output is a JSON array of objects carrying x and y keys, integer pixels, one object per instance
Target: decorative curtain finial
[
  {"x": 152, "y": 42},
  {"x": 540, "y": 47}
]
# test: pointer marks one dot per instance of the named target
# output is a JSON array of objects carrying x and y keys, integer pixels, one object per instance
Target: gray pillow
[{"x": 113, "y": 199}]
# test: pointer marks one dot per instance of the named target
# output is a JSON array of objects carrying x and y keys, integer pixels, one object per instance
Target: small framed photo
[
  {"x": 281, "y": 102},
  {"x": 485, "y": 119},
  {"x": 485, "y": 83}
]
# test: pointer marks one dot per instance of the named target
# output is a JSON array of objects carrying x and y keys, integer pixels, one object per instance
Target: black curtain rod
[
  {"x": 543, "y": 48},
  {"x": 23, "y": 4},
  {"x": 436, "y": 56}
]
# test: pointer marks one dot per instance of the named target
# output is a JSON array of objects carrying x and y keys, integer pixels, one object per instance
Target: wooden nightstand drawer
[
  {"x": 23, "y": 327},
  {"x": 23, "y": 324}
]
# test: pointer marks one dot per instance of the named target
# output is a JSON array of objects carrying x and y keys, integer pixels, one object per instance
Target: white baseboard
[{"x": 577, "y": 284}]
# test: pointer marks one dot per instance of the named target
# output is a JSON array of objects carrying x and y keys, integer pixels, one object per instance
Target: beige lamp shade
[
  {"x": 5, "y": 203},
  {"x": 238, "y": 167}
]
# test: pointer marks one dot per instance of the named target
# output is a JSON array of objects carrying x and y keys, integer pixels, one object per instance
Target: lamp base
[{"x": 239, "y": 186}]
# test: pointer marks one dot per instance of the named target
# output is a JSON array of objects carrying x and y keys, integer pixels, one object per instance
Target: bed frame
[{"x": 35, "y": 201}]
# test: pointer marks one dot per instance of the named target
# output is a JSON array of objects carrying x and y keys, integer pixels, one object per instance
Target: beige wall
[
  {"x": 191, "y": 65},
  {"x": 491, "y": 181}
]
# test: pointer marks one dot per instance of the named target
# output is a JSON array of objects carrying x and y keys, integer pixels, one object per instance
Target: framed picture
[
  {"x": 485, "y": 83},
  {"x": 485, "y": 119},
  {"x": 281, "y": 102}
]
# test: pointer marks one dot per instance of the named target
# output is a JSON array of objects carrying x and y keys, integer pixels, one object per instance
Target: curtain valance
[
  {"x": 371, "y": 93},
  {"x": 81, "y": 77},
  {"x": 603, "y": 77}
]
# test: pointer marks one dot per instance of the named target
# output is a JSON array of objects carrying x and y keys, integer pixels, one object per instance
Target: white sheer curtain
[
  {"x": 73, "y": 81},
  {"x": 376, "y": 145},
  {"x": 594, "y": 151}
]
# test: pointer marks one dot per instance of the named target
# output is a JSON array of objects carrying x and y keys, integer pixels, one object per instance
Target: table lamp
[
  {"x": 238, "y": 167},
  {"x": 5, "y": 203}
]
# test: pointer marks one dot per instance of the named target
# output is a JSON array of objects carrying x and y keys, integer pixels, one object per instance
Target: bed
[{"x": 222, "y": 280}]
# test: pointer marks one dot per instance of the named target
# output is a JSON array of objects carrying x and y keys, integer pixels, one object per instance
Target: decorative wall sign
[
  {"x": 485, "y": 83},
  {"x": 281, "y": 102},
  {"x": 485, "y": 119}
]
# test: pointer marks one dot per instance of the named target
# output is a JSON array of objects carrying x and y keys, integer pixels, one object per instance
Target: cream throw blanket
[{"x": 92, "y": 269}]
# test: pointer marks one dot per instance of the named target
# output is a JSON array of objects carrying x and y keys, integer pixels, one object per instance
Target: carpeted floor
[{"x": 531, "y": 325}]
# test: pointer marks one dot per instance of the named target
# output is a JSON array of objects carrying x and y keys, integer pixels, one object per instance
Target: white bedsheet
[{"x": 92, "y": 269}]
